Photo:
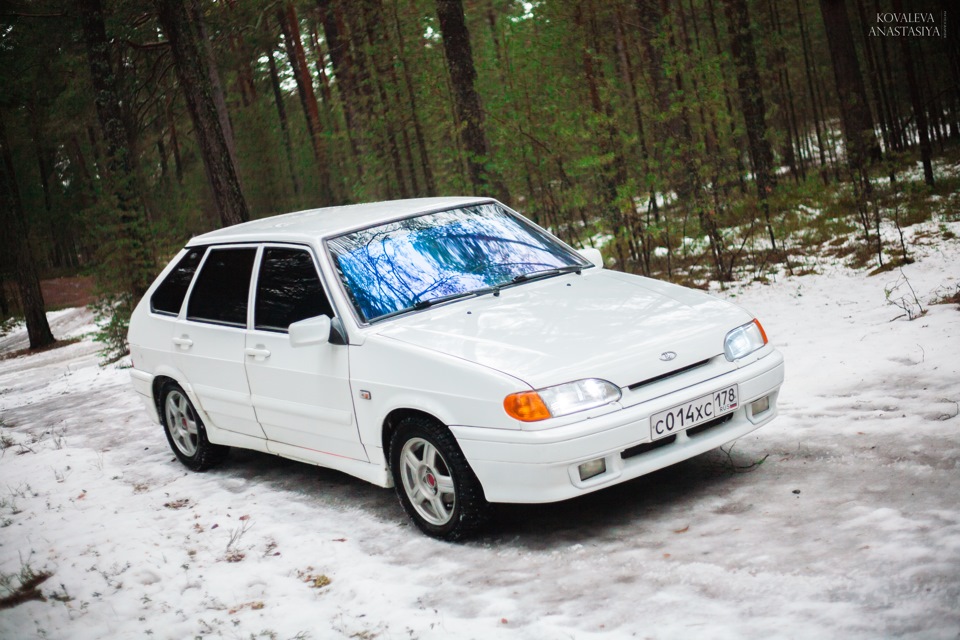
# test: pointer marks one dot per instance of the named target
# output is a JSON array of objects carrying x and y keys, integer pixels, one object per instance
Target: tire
[
  {"x": 185, "y": 431},
  {"x": 434, "y": 482}
]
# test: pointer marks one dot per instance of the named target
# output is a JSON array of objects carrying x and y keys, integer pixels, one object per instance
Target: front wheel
[
  {"x": 185, "y": 431},
  {"x": 436, "y": 486}
]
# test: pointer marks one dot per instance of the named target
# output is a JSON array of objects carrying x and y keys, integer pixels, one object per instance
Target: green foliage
[
  {"x": 576, "y": 128},
  {"x": 111, "y": 312}
]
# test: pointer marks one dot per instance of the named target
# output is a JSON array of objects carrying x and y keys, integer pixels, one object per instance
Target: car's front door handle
[
  {"x": 183, "y": 342},
  {"x": 259, "y": 353}
]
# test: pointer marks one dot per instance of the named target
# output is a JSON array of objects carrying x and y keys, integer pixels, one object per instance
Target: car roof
[{"x": 311, "y": 224}]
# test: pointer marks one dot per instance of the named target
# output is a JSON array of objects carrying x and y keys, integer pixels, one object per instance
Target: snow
[{"x": 839, "y": 519}]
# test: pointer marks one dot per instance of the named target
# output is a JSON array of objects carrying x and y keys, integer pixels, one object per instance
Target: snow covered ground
[{"x": 840, "y": 519}]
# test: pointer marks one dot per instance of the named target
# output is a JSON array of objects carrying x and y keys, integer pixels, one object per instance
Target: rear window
[
  {"x": 223, "y": 285},
  {"x": 168, "y": 298}
]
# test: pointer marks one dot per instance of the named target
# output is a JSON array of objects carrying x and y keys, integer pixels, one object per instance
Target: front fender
[{"x": 387, "y": 375}]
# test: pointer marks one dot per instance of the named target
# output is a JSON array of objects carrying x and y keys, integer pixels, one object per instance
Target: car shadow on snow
[
  {"x": 311, "y": 484},
  {"x": 671, "y": 494}
]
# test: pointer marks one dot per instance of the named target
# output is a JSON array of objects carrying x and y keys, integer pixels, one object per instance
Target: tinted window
[
  {"x": 288, "y": 290},
  {"x": 168, "y": 298},
  {"x": 220, "y": 294}
]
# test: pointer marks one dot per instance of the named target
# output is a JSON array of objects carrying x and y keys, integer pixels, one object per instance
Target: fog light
[
  {"x": 592, "y": 468},
  {"x": 759, "y": 406}
]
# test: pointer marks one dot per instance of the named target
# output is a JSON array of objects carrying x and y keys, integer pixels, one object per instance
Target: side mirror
[
  {"x": 310, "y": 331},
  {"x": 593, "y": 255}
]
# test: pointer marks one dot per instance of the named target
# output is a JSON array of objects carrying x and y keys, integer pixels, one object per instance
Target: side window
[
  {"x": 220, "y": 293},
  {"x": 288, "y": 290},
  {"x": 168, "y": 298}
]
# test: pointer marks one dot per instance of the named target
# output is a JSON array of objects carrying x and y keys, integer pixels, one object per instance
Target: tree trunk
[
  {"x": 290, "y": 26},
  {"x": 371, "y": 14},
  {"x": 133, "y": 252},
  {"x": 677, "y": 129},
  {"x": 210, "y": 63},
  {"x": 4, "y": 301},
  {"x": 735, "y": 139},
  {"x": 897, "y": 132},
  {"x": 792, "y": 149},
  {"x": 194, "y": 76},
  {"x": 811, "y": 91},
  {"x": 426, "y": 169},
  {"x": 243, "y": 54},
  {"x": 854, "y": 108},
  {"x": 859, "y": 136},
  {"x": 463, "y": 76},
  {"x": 54, "y": 221},
  {"x": 282, "y": 116},
  {"x": 161, "y": 146},
  {"x": 873, "y": 74},
  {"x": 919, "y": 111},
  {"x": 11, "y": 208},
  {"x": 626, "y": 70},
  {"x": 174, "y": 140},
  {"x": 612, "y": 175},
  {"x": 340, "y": 59},
  {"x": 752, "y": 105},
  {"x": 326, "y": 95},
  {"x": 394, "y": 88}
]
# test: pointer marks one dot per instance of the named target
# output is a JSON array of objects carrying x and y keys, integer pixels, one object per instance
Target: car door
[
  {"x": 209, "y": 341},
  {"x": 301, "y": 394}
]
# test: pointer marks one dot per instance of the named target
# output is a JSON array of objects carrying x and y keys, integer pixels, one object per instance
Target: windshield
[{"x": 403, "y": 265}]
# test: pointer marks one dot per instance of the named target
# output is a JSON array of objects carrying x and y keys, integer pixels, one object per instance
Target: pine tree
[
  {"x": 18, "y": 243},
  {"x": 194, "y": 73},
  {"x": 463, "y": 75}
]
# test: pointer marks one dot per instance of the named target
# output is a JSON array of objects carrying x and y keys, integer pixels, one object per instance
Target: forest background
[{"x": 694, "y": 140}]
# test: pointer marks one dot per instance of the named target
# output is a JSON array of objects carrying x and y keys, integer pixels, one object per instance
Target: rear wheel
[
  {"x": 185, "y": 431},
  {"x": 435, "y": 484}
]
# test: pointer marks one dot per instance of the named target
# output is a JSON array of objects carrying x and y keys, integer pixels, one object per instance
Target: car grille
[
  {"x": 669, "y": 374},
  {"x": 647, "y": 447}
]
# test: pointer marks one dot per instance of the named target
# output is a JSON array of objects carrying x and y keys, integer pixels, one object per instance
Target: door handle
[
  {"x": 183, "y": 342},
  {"x": 259, "y": 353}
]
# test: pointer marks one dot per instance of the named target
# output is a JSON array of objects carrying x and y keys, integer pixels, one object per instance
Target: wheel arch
[
  {"x": 163, "y": 377},
  {"x": 393, "y": 420},
  {"x": 158, "y": 382}
]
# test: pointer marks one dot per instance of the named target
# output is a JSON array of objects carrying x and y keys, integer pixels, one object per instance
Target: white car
[{"x": 446, "y": 346}]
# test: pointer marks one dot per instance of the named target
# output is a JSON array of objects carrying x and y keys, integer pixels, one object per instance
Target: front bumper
[{"x": 542, "y": 466}]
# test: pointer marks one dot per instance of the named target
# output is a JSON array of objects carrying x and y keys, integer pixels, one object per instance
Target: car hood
[{"x": 600, "y": 324}]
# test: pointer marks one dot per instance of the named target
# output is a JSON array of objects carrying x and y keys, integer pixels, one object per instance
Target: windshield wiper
[
  {"x": 423, "y": 304},
  {"x": 547, "y": 273}
]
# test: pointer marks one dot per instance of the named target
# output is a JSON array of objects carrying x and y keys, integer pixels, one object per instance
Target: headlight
[
  {"x": 744, "y": 340},
  {"x": 561, "y": 400}
]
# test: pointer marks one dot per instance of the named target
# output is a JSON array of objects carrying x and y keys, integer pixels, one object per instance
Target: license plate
[{"x": 690, "y": 414}]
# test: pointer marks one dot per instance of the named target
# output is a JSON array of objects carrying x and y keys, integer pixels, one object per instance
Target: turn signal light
[
  {"x": 763, "y": 333},
  {"x": 526, "y": 406}
]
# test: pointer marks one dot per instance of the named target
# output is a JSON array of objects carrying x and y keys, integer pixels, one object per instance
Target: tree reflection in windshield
[{"x": 392, "y": 267}]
